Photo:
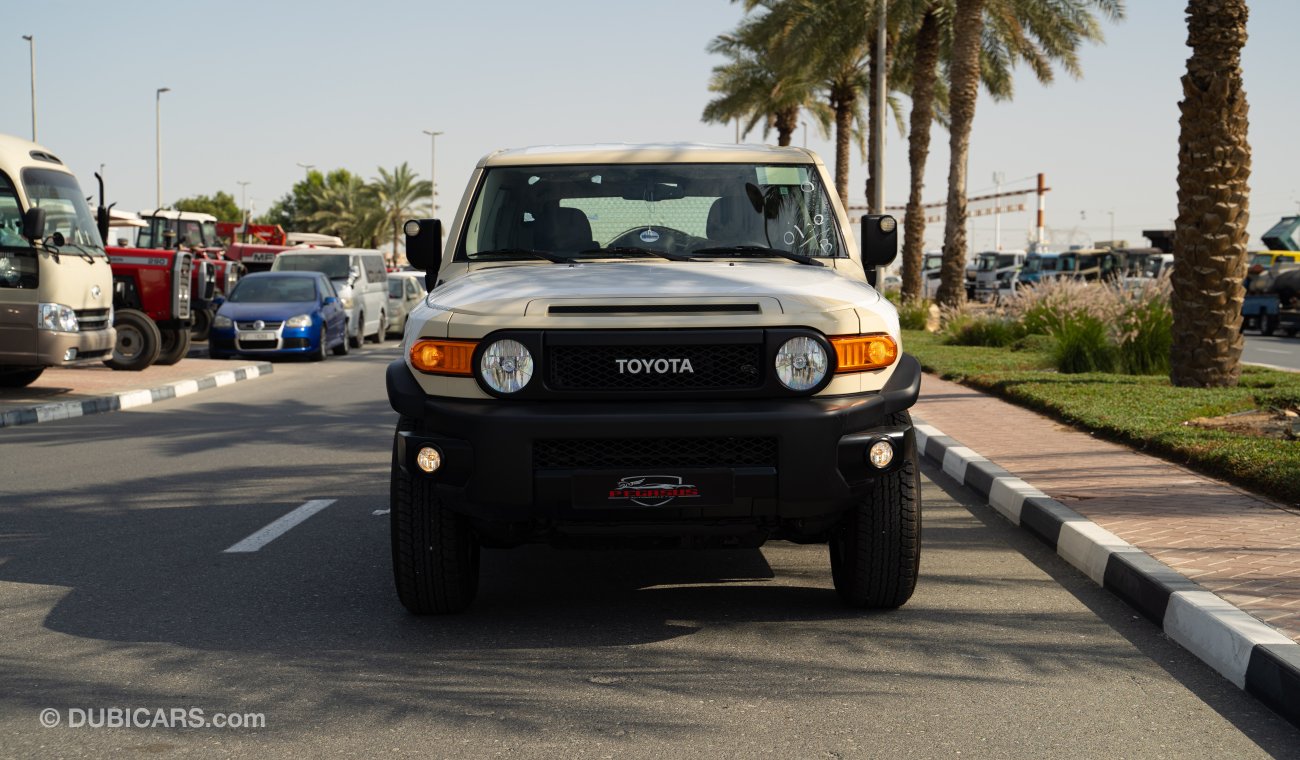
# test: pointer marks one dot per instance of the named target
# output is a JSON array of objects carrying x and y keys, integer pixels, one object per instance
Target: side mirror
[
  {"x": 424, "y": 246},
  {"x": 329, "y": 300},
  {"x": 34, "y": 224},
  {"x": 879, "y": 240}
]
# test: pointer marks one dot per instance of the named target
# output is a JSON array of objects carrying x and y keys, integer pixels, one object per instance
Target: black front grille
[
  {"x": 258, "y": 344},
  {"x": 601, "y": 453},
  {"x": 268, "y": 325},
  {"x": 92, "y": 320},
  {"x": 733, "y": 366}
]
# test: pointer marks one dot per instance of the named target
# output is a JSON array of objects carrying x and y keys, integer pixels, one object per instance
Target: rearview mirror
[
  {"x": 34, "y": 224},
  {"x": 879, "y": 240},
  {"x": 329, "y": 300},
  {"x": 424, "y": 247}
]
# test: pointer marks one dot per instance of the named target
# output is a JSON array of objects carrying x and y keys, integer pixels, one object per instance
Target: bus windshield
[{"x": 66, "y": 211}]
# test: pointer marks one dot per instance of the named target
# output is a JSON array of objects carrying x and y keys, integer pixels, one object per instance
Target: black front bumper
[{"x": 491, "y": 469}]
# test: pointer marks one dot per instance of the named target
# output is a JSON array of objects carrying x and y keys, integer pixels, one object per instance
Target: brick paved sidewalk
[
  {"x": 1242, "y": 547},
  {"x": 92, "y": 381}
]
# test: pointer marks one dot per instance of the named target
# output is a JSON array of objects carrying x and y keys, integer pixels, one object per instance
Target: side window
[
  {"x": 11, "y": 216},
  {"x": 18, "y": 268},
  {"x": 412, "y": 289},
  {"x": 374, "y": 268}
]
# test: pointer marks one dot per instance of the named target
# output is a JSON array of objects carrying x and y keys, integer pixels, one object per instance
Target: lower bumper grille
[{"x": 599, "y": 453}]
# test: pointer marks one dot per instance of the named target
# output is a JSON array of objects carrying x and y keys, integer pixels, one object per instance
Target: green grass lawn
[{"x": 1145, "y": 412}]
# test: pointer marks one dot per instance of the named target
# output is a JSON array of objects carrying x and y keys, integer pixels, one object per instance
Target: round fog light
[
  {"x": 880, "y": 454},
  {"x": 429, "y": 459}
]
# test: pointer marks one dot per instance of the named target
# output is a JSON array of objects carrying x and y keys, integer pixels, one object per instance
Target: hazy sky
[{"x": 258, "y": 87}]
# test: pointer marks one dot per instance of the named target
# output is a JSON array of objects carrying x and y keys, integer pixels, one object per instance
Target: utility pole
[
  {"x": 243, "y": 197},
  {"x": 997, "y": 210},
  {"x": 31, "y": 45},
  {"x": 433, "y": 177},
  {"x": 878, "y": 131},
  {"x": 157, "y": 118}
]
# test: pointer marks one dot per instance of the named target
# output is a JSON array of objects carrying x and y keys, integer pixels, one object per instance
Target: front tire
[
  {"x": 19, "y": 377},
  {"x": 138, "y": 341},
  {"x": 175, "y": 346},
  {"x": 1269, "y": 325},
  {"x": 360, "y": 337},
  {"x": 876, "y": 550},
  {"x": 342, "y": 348},
  {"x": 320, "y": 353},
  {"x": 435, "y": 553},
  {"x": 201, "y": 330}
]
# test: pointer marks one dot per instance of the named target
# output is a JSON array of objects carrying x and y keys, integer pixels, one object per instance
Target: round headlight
[
  {"x": 801, "y": 364},
  {"x": 888, "y": 224},
  {"x": 506, "y": 366},
  {"x": 412, "y": 227}
]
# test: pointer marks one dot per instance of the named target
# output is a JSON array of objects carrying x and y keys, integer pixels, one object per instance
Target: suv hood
[{"x": 511, "y": 289}]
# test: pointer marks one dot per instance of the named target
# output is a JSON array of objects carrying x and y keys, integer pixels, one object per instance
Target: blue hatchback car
[{"x": 280, "y": 314}]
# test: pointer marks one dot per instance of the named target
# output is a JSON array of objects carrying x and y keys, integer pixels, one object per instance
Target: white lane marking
[
  {"x": 279, "y": 527},
  {"x": 1272, "y": 351},
  {"x": 379, "y": 512}
]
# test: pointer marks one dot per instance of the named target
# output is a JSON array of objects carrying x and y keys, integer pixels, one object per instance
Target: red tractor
[
  {"x": 201, "y": 234},
  {"x": 153, "y": 304}
]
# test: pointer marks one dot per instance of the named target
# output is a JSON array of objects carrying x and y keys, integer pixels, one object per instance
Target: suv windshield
[
  {"x": 274, "y": 290},
  {"x": 334, "y": 266},
  {"x": 65, "y": 208},
  {"x": 595, "y": 211},
  {"x": 988, "y": 262}
]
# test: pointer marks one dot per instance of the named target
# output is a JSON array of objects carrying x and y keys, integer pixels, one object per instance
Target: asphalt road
[
  {"x": 1277, "y": 350},
  {"x": 118, "y": 593}
]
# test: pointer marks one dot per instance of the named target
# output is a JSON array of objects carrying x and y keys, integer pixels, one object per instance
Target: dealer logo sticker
[{"x": 652, "y": 490}]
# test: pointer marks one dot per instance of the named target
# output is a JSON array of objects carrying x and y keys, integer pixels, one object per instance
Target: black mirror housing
[
  {"x": 424, "y": 246},
  {"x": 879, "y": 240},
  {"x": 34, "y": 224}
]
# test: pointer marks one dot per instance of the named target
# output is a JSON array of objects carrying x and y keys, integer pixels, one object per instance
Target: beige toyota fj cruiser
[{"x": 653, "y": 345}]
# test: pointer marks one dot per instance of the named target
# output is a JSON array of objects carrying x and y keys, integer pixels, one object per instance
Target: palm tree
[
  {"x": 1213, "y": 200},
  {"x": 399, "y": 196},
  {"x": 825, "y": 43},
  {"x": 750, "y": 90},
  {"x": 343, "y": 205},
  {"x": 925, "y": 59},
  {"x": 1036, "y": 32}
]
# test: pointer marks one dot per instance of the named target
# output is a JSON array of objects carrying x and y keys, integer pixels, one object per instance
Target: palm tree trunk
[
  {"x": 918, "y": 150},
  {"x": 842, "y": 99},
  {"x": 1213, "y": 200},
  {"x": 785, "y": 119},
  {"x": 968, "y": 26}
]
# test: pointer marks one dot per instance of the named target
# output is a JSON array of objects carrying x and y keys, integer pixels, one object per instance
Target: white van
[{"x": 361, "y": 279}]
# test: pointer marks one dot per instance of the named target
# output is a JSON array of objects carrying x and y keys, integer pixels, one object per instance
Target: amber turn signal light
[
  {"x": 444, "y": 357},
  {"x": 859, "y": 353}
]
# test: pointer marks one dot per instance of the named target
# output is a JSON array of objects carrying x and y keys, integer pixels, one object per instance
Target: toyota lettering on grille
[{"x": 654, "y": 366}]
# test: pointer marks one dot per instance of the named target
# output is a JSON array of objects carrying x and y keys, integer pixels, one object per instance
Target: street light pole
[
  {"x": 433, "y": 165},
  {"x": 31, "y": 44},
  {"x": 157, "y": 119},
  {"x": 805, "y": 133},
  {"x": 306, "y": 168}
]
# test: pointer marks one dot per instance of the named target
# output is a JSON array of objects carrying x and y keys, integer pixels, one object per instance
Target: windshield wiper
[
  {"x": 624, "y": 250},
  {"x": 758, "y": 250},
  {"x": 88, "y": 253},
  {"x": 554, "y": 258}
]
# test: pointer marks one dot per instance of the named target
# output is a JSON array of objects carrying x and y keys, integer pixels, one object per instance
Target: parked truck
[
  {"x": 56, "y": 285},
  {"x": 996, "y": 274},
  {"x": 1273, "y": 300}
]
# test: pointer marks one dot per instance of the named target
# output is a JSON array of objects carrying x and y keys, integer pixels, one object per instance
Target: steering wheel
[{"x": 655, "y": 237}]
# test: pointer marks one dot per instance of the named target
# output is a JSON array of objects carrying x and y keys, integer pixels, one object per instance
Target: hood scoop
[{"x": 654, "y": 308}]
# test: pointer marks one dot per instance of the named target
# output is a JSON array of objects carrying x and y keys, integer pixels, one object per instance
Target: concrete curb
[
  {"x": 1244, "y": 650},
  {"x": 130, "y": 399}
]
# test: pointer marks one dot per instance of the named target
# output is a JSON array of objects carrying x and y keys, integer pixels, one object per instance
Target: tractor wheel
[
  {"x": 138, "y": 341},
  {"x": 175, "y": 345}
]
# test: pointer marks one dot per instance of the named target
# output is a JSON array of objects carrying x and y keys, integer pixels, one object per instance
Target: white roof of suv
[{"x": 651, "y": 153}]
